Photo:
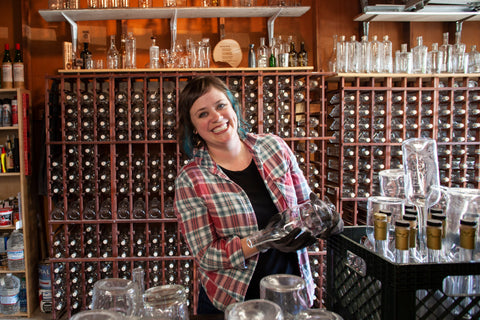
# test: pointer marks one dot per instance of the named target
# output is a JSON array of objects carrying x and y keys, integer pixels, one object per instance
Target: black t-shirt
[{"x": 272, "y": 261}]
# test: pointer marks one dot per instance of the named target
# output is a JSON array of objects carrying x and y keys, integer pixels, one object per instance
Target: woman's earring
[{"x": 195, "y": 131}]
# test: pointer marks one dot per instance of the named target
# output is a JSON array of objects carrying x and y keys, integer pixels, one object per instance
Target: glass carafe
[{"x": 315, "y": 215}]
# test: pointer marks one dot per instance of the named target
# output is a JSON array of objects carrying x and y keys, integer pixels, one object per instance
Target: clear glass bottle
[
  {"x": 402, "y": 232},
  {"x": 405, "y": 63},
  {"x": 434, "y": 241},
  {"x": 332, "y": 62},
  {"x": 365, "y": 63},
  {"x": 414, "y": 255},
  {"x": 420, "y": 57},
  {"x": 262, "y": 54},
  {"x": 353, "y": 55},
  {"x": 460, "y": 57},
  {"x": 446, "y": 49},
  {"x": 387, "y": 55},
  {"x": 154, "y": 53},
  {"x": 381, "y": 236},
  {"x": 113, "y": 56},
  {"x": 435, "y": 58},
  {"x": 474, "y": 60},
  {"x": 130, "y": 51},
  {"x": 376, "y": 55},
  {"x": 342, "y": 55}
]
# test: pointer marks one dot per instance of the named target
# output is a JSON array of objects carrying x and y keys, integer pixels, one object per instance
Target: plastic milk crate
[{"x": 364, "y": 285}]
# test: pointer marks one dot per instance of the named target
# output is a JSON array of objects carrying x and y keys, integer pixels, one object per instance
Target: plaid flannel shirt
[{"x": 214, "y": 213}]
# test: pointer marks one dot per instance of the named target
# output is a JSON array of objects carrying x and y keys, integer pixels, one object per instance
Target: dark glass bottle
[
  {"x": 7, "y": 68},
  {"x": 18, "y": 68},
  {"x": 302, "y": 56},
  {"x": 292, "y": 56},
  {"x": 85, "y": 55}
]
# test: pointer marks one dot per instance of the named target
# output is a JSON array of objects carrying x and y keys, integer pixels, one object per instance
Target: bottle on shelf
[
  {"x": 377, "y": 55},
  {"x": 353, "y": 55},
  {"x": 252, "y": 61},
  {"x": 15, "y": 251},
  {"x": 154, "y": 53},
  {"x": 9, "y": 294},
  {"x": 460, "y": 56},
  {"x": 365, "y": 55},
  {"x": 18, "y": 68},
  {"x": 113, "y": 56},
  {"x": 262, "y": 54},
  {"x": 131, "y": 51},
  {"x": 332, "y": 62},
  {"x": 7, "y": 68},
  {"x": 420, "y": 57},
  {"x": 86, "y": 56},
  {"x": 387, "y": 55},
  {"x": 447, "y": 51},
  {"x": 302, "y": 55},
  {"x": 292, "y": 56}
]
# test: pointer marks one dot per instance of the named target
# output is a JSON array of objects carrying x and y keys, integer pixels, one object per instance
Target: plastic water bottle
[
  {"x": 9, "y": 294},
  {"x": 15, "y": 251}
]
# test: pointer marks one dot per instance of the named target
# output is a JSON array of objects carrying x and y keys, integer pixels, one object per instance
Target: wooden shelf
[
  {"x": 143, "y": 70},
  {"x": 167, "y": 13}
]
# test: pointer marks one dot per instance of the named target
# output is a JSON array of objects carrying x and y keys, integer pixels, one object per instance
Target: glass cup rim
[
  {"x": 385, "y": 199},
  {"x": 109, "y": 314},
  {"x": 392, "y": 172},
  {"x": 276, "y": 282},
  {"x": 114, "y": 285}
]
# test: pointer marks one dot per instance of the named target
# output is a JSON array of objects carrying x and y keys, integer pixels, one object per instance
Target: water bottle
[
  {"x": 9, "y": 294},
  {"x": 16, "y": 256}
]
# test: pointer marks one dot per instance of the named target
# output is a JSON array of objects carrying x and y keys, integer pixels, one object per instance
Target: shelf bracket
[
  {"x": 366, "y": 25},
  {"x": 74, "y": 28},
  {"x": 173, "y": 29},
  {"x": 271, "y": 26}
]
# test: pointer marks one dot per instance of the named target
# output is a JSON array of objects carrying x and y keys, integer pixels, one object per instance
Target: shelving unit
[
  {"x": 370, "y": 116},
  {"x": 72, "y": 16},
  {"x": 13, "y": 183},
  {"x": 86, "y": 249}
]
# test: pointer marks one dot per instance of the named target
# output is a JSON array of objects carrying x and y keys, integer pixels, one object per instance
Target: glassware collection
[
  {"x": 369, "y": 122},
  {"x": 431, "y": 223},
  {"x": 376, "y": 56},
  {"x": 192, "y": 54}
]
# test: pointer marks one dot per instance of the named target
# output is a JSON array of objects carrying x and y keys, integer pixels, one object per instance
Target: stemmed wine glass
[{"x": 420, "y": 163}]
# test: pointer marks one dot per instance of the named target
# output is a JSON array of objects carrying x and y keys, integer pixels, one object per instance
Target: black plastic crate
[{"x": 363, "y": 285}]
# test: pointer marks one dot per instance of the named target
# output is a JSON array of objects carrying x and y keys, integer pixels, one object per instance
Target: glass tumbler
[
  {"x": 119, "y": 295},
  {"x": 165, "y": 302},
  {"x": 288, "y": 291},
  {"x": 257, "y": 309},
  {"x": 317, "y": 314},
  {"x": 392, "y": 183},
  {"x": 97, "y": 315}
]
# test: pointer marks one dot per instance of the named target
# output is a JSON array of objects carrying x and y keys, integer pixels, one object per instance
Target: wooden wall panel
[{"x": 316, "y": 28}]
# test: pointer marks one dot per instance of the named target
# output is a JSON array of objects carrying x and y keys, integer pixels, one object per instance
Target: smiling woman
[{"x": 235, "y": 184}]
